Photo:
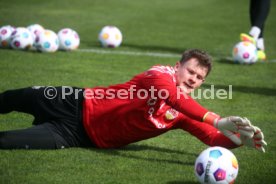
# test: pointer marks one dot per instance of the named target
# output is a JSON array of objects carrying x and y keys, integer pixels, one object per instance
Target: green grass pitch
[{"x": 153, "y": 26}]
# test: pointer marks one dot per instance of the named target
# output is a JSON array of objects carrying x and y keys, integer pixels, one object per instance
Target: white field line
[
  {"x": 151, "y": 54},
  {"x": 131, "y": 53}
]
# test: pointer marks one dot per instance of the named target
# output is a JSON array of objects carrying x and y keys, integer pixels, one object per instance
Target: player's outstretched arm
[
  {"x": 211, "y": 136},
  {"x": 162, "y": 80},
  {"x": 208, "y": 134}
]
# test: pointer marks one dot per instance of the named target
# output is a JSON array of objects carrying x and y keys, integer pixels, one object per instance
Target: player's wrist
[{"x": 211, "y": 118}]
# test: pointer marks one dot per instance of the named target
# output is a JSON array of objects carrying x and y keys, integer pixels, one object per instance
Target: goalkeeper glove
[
  {"x": 235, "y": 124},
  {"x": 229, "y": 126},
  {"x": 234, "y": 137},
  {"x": 257, "y": 141}
]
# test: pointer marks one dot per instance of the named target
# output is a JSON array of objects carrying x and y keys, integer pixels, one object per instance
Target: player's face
[{"x": 189, "y": 75}]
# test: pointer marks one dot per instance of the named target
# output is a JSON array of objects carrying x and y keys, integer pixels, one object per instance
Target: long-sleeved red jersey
[{"x": 146, "y": 106}]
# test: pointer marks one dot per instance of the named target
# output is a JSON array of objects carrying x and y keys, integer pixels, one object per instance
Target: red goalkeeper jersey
[{"x": 146, "y": 106}]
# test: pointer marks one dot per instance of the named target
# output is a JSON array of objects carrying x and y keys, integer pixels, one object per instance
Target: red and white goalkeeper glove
[
  {"x": 257, "y": 141},
  {"x": 242, "y": 138},
  {"x": 234, "y": 124},
  {"x": 234, "y": 137}
]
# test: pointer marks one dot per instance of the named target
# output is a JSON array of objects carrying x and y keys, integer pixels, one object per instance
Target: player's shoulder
[{"x": 162, "y": 69}]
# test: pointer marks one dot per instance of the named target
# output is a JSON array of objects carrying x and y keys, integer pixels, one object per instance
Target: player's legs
[
  {"x": 72, "y": 132},
  {"x": 36, "y": 137},
  {"x": 20, "y": 100},
  {"x": 48, "y": 135},
  {"x": 253, "y": 7},
  {"x": 259, "y": 10},
  {"x": 34, "y": 100},
  {"x": 63, "y": 115}
]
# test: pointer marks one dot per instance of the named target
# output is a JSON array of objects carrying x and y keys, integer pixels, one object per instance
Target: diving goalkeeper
[{"x": 150, "y": 104}]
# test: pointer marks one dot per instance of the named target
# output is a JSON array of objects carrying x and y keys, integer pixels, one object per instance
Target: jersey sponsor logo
[
  {"x": 155, "y": 108},
  {"x": 158, "y": 124},
  {"x": 151, "y": 103}
]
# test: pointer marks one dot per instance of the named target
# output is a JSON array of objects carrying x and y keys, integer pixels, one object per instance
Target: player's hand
[
  {"x": 257, "y": 141},
  {"x": 235, "y": 124},
  {"x": 234, "y": 137}
]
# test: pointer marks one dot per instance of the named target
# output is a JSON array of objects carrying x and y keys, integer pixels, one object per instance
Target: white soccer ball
[
  {"x": 5, "y": 36},
  {"x": 216, "y": 165},
  {"x": 35, "y": 30},
  {"x": 245, "y": 53},
  {"x": 21, "y": 39},
  {"x": 47, "y": 41},
  {"x": 110, "y": 36},
  {"x": 68, "y": 39}
]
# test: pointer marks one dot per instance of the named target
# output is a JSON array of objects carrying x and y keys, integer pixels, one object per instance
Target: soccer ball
[
  {"x": 216, "y": 165},
  {"x": 21, "y": 39},
  {"x": 68, "y": 39},
  {"x": 245, "y": 53},
  {"x": 110, "y": 36},
  {"x": 35, "y": 30},
  {"x": 47, "y": 41},
  {"x": 5, "y": 36}
]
